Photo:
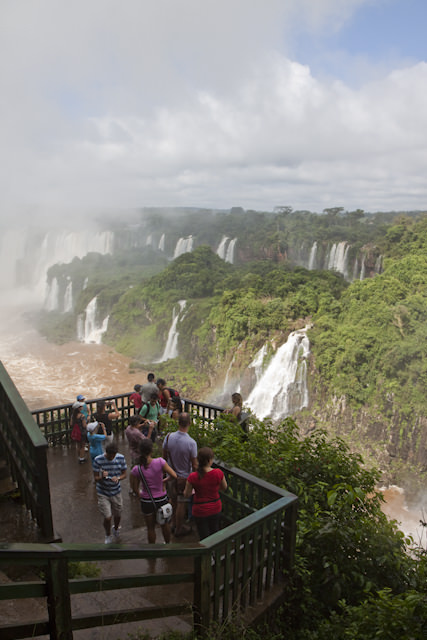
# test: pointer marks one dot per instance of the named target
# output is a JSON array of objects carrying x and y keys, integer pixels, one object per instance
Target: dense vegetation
[
  {"x": 368, "y": 336},
  {"x": 352, "y": 577}
]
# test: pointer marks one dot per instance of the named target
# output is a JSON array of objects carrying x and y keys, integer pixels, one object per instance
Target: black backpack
[{"x": 173, "y": 392}]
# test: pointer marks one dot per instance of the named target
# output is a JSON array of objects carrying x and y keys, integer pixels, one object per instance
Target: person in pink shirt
[
  {"x": 134, "y": 437},
  {"x": 156, "y": 472}
]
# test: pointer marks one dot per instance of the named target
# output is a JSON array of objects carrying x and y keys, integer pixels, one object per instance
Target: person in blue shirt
[
  {"x": 84, "y": 409},
  {"x": 96, "y": 435},
  {"x": 108, "y": 470}
]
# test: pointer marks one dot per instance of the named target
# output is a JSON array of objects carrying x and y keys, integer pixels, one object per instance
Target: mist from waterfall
[
  {"x": 52, "y": 296},
  {"x": 68, "y": 297},
  {"x": 171, "y": 347},
  {"x": 25, "y": 257},
  {"x": 282, "y": 388}
]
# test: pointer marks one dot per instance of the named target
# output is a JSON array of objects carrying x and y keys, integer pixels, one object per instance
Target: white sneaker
[
  {"x": 108, "y": 539},
  {"x": 116, "y": 532}
]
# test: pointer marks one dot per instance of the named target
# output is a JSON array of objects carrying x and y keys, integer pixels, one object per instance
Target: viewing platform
[{"x": 186, "y": 584}]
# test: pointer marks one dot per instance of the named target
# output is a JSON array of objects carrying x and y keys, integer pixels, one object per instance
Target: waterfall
[
  {"x": 258, "y": 362},
  {"x": 312, "y": 258},
  {"x": 337, "y": 260},
  {"x": 26, "y": 256},
  {"x": 162, "y": 243},
  {"x": 184, "y": 245},
  {"x": 68, "y": 297},
  {"x": 52, "y": 296},
  {"x": 282, "y": 388},
  {"x": 171, "y": 348},
  {"x": 229, "y": 256},
  {"x": 362, "y": 269},
  {"x": 89, "y": 329},
  {"x": 221, "y": 251}
]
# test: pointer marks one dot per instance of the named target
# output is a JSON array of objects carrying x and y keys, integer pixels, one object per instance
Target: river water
[{"x": 46, "y": 374}]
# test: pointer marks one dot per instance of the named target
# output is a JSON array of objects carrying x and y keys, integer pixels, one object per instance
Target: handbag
[
  {"x": 76, "y": 434},
  {"x": 163, "y": 513}
]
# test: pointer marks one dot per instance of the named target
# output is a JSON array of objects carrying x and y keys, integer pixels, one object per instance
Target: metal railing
[
  {"x": 54, "y": 422},
  {"x": 228, "y": 572},
  {"x": 24, "y": 448}
]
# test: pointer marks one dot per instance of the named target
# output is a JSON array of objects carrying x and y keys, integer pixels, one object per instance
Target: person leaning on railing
[{"x": 105, "y": 413}]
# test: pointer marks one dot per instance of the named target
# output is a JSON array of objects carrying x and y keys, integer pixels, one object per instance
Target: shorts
[
  {"x": 176, "y": 489},
  {"x": 110, "y": 505},
  {"x": 147, "y": 506}
]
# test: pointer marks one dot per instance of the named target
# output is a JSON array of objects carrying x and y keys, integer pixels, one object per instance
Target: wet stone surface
[{"x": 77, "y": 520}]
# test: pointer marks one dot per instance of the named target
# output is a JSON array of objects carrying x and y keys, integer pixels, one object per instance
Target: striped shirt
[{"x": 115, "y": 467}]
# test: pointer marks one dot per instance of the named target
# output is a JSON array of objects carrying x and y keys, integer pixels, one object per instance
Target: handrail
[
  {"x": 24, "y": 447},
  {"x": 54, "y": 422},
  {"x": 233, "y": 568}
]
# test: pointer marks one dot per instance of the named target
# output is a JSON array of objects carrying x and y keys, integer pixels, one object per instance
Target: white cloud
[{"x": 197, "y": 103}]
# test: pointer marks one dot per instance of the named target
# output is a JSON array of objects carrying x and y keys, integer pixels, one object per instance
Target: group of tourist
[{"x": 181, "y": 479}]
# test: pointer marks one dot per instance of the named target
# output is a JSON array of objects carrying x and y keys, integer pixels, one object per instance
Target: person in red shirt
[
  {"x": 135, "y": 398},
  {"x": 206, "y": 482}
]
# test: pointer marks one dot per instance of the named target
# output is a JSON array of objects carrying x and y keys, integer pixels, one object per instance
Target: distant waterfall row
[
  {"x": 337, "y": 258},
  {"x": 225, "y": 248}
]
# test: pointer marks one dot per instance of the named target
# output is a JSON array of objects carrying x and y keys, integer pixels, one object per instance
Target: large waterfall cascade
[
  {"x": 225, "y": 249},
  {"x": 337, "y": 258},
  {"x": 89, "y": 328},
  {"x": 229, "y": 256},
  {"x": 161, "y": 246},
  {"x": 281, "y": 389},
  {"x": 222, "y": 247},
  {"x": 171, "y": 347},
  {"x": 184, "y": 245}
]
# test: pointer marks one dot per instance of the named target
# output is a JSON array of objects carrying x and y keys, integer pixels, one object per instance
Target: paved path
[{"x": 77, "y": 520}]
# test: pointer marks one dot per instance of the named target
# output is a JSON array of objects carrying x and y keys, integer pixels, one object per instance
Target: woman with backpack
[{"x": 152, "y": 473}]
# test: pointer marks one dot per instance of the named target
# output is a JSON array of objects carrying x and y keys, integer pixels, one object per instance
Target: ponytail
[{"x": 145, "y": 450}]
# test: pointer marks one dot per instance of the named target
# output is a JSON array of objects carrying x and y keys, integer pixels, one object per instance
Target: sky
[{"x": 212, "y": 103}]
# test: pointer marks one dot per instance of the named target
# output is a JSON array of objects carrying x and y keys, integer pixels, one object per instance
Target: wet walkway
[{"x": 77, "y": 520}]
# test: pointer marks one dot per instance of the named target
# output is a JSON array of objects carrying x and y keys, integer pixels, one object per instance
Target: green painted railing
[
  {"x": 228, "y": 572},
  {"x": 24, "y": 449},
  {"x": 54, "y": 422}
]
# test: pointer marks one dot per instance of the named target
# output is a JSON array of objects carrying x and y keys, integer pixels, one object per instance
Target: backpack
[{"x": 173, "y": 392}]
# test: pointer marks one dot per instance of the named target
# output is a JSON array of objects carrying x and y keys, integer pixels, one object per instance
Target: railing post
[
  {"x": 289, "y": 536},
  {"x": 201, "y": 597},
  {"x": 58, "y": 599}
]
